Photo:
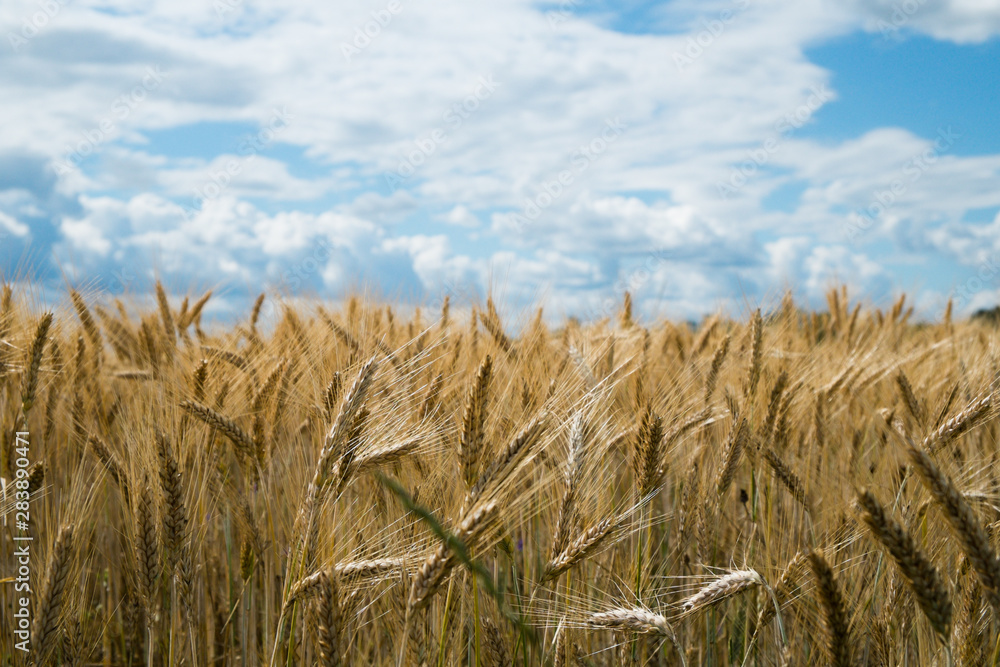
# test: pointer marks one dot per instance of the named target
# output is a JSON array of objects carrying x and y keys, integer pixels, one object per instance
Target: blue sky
[{"x": 703, "y": 155}]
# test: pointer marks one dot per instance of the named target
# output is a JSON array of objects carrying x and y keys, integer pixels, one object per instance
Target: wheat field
[{"x": 373, "y": 484}]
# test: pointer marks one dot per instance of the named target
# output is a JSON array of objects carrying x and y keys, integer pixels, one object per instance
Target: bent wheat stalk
[{"x": 923, "y": 578}]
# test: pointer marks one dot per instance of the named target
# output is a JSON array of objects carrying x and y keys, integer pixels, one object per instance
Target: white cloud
[
  {"x": 639, "y": 206},
  {"x": 961, "y": 21},
  {"x": 12, "y": 225},
  {"x": 461, "y": 216}
]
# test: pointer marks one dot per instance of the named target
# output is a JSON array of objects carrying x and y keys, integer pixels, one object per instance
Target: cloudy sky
[{"x": 703, "y": 155}]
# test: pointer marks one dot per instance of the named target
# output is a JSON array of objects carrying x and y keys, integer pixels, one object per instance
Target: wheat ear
[
  {"x": 835, "y": 611},
  {"x": 470, "y": 445},
  {"x": 756, "y": 356},
  {"x": 29, "y": 385},
  {"x": 147, "y": 550},
  {"x": 588, "y": 542},
  {"x": 924, "y": 579},
  {"x": 328, "y": 630},
  {"x": 169, "y": 328},
  {"x": 635, "y": 620},
  {"x": 721, "y": 588},
  {"x": 50, "y": 600},
  {"x": 646, "y": 451},
  {"x": 579, "y": 434},
  {"x": 439, "y": 563},
  {"x": 788, "y": 478},
  {"x": 960, "y": 516},
  {"x": 735, "y": 444},
  {"x": 718, "y": 358},
  {"x": 509, "y": 458},
  {"x": 973, "y": 415},
  {"x": 783, "y": 589},
  {"x": 241, "y": 439},
  {"x": 497, "y": 653}
]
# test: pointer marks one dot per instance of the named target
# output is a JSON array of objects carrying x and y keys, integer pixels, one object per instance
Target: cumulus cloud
[
  {"x": 443, "y": 146},
  {"x": 961, "y": 21},
  {"x": 12, "y": 226}
]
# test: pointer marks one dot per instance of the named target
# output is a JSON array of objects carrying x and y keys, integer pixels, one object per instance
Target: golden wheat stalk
[
  {"x": 439, "y": 562},
  {"x": 336, "y": 441},
  {"x": 231, "y": 358},
  {"x": 586, "y": 544},
  {"x": 241, "y": 439},
  {"x": 579, "y": 435},
  {"x": 735, "y": 444},
  {"x": 909, "y": 398},
  {"x": 366, "y": 569},
  {"x": 965, "y": 525},
  {"x": 329, "y": 622},
  {"x": 497, "y": 653},
  {"x": 646, "y": 452},
  {"x": 166, "y": 316},
  {"x": 492, "y": 323},
  {"x": 774, "y": 404},
  {"x": 838, "y": 632},
  {"x": 634, "y": 619},
  {"x": 470, "y": 445},
  {"x": 788, "y": 478},
  {"x": 718, "y": 358},
  {"x": 784, "y": 588},
  {"x": 509, "y": 458},
  {"x": 923, "y": 578},
  {"x": 29, "y": 384},
  {"x": 728, "y": 585},
  {"x": 174, "y": 512},
  {"x": 110, "y": 462},
  {"x": 756, "y": 355},
  {"x": 386, "y": 455},
  {"x": 89, "y": 325},
  {"x": 976, "y": 413},
  {"x": 48, "y": 609}
]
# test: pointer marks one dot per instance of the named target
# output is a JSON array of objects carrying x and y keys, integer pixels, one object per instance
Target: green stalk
[
  {"x": 245, "y": 624},
  {"x": 475, "y": 614},
  {"x": 173, "y": 614},
  {"x": 444, "y": 623}
]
